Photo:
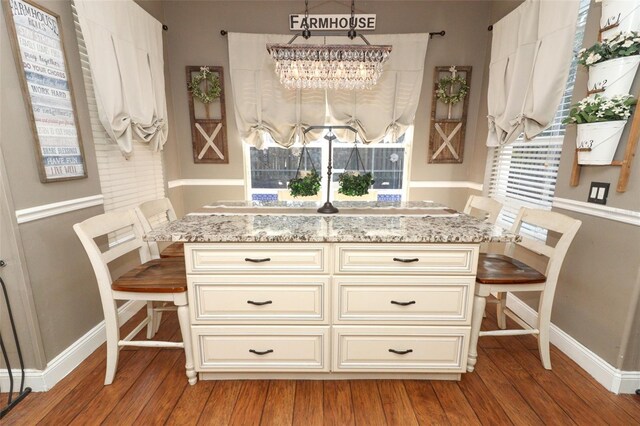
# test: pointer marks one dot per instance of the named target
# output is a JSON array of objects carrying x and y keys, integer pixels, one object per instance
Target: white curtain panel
[
  {"x": 124, "y": 45},
  {"x": 389, "y": 108},
  {"x": 264, "y": 107},
  {"x": 531, "y": 55}
]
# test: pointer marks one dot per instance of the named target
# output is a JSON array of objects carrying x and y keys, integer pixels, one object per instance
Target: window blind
[
  {"x": 125, "y": 183},
  {"x": 523, "y": 174}
]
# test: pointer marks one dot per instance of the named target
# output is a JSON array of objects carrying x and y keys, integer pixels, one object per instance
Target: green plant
[
  {"x": 355, "y": 184},
  {"x": 212, "y": 89},
  {"x": 597, "y": 109},
  {"x": 305, "y": 186},
  {"x": 620, "y": 46},
  {"x": 444, "y": 85}
]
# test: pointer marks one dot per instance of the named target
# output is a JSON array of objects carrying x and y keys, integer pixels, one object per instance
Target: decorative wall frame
[
  {"x": 37, "y": 43},
  {"x": 448, "y": 122},
  {"x": 208, "y": 123}
]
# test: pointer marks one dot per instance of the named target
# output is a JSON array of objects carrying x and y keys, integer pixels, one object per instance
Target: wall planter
[
  {"x": 619, "y": 16},
  {"x": 597, "y": 142},
  {"x": 614, "y": 76}
]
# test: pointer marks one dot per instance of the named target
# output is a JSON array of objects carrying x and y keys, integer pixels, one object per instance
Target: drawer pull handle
[
  {"x": 251, "y": 302},
  {"x": 265, "y": 259},
  {"x": 408, "y": 351},
  {"x": 413, "y": 302},
  {"x": 253, "y": 351},
  {"x": 398, "y": 259}
]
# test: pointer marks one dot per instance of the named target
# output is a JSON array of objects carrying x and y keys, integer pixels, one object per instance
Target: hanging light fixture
[{"x": 329, "y": 66}]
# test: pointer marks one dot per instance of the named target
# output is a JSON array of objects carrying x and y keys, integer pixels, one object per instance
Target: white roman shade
[
  {"x": 124, "y": 44},
  {"x": 263, "y": 107},
  {"x": 390, "y": 107},
  {"x": 531, "y": 54}
]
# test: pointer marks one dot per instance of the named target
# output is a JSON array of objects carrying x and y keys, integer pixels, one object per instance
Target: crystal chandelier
[{"x": 329, "y": 66}]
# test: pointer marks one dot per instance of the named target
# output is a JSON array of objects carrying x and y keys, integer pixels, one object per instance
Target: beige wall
[
  {"x": 194, "y": 39},
  {"x": 598, "y": 285},
  {"x": 600, "y": 277}
]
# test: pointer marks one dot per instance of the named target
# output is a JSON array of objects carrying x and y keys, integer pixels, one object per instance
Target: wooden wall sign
[
  {"x": 208, "y": 123},
  {"x": 448, "y": 121},
  {"x": 36, "y": 39}
]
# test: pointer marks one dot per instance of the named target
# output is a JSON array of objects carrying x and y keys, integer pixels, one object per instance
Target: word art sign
[
  {"x": 364, "y": 22},
  {"x": 37, "y": 44}
]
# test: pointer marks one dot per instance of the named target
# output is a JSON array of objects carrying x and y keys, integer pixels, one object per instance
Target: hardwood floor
[{"x": 510, "y": 386}]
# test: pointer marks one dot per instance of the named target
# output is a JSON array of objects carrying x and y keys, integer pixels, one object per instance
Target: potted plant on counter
[
  {"x": 612, "y": 63},
  {"x": 600, "y": 123},
  {"x": 306, "y": 185},
  {"x": 355, "y": 184}
]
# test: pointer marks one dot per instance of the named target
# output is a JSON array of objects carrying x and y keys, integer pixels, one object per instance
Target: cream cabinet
[{"x": 316, "y": 310}]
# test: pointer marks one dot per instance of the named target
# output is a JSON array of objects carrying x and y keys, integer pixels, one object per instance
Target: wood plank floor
[{"x": 509, "y": 387}]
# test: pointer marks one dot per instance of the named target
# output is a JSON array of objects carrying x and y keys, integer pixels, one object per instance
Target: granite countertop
[{"x": 296, "y": 222}]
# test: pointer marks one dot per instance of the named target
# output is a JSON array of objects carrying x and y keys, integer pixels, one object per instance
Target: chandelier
[{"x": 329, "y": 66}]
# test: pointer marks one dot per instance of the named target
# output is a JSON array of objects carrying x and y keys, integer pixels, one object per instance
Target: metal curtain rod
[{"x": 431, "y": 34}]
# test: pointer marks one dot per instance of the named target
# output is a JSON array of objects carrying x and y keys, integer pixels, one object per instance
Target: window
[
  {"x": 125, "y": 183},
  {"x": 523, "y": 174},
  {"x": 270, "y": 169}
]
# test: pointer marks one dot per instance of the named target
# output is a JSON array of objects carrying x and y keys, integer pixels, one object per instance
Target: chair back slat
[
  {"x": 564, "y": 225},
  {"x": 487, "y": 205},
  {"x": 150, "y": 209},
  {"x": 537, "y": 247}
]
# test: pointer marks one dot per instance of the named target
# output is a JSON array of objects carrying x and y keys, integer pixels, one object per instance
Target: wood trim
[
  {"x": 630, "y": 217},
  {"x": 205, "y": 182},
  {"x": 613, "y": 379},
  {"x": 445, "y": 184},
  {"x": 70, "y": 358},
  {"x": 47, "y": 210},
  {"x": 25, "y": 89}
]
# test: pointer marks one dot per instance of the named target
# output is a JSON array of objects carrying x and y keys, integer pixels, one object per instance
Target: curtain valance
[
  {"x": 264, "y": 107},
  {"x": 124, "y": 45},
  {"x": 531, "y": 55}
]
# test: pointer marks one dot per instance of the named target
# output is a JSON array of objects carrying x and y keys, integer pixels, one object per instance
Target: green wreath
[
  {"x": 447, "y": 82},
  {"x": 212, "y": 86}
]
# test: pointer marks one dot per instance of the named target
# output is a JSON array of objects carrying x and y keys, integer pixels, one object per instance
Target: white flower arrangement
[
  {"x": 598, "y": 108},
  {"x": 619, "y": 46}
]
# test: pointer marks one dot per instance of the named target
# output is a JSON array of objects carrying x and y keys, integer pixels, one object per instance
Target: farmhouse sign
[
  {"x": 36, "y": 39},
  {"x": 334, "y": 22}
]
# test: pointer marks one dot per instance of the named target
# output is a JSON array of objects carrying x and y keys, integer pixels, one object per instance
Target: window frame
[{"x": 404, "y": 192}]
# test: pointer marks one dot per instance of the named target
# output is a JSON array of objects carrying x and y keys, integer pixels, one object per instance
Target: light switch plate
[{"x": 598, "y": 192}]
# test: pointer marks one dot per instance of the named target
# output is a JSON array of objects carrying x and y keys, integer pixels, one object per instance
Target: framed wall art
[
  {"x": 36, "y": 39},
  {"x": 205, "y": 86}
]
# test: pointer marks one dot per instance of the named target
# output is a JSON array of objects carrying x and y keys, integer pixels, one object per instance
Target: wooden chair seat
[
  {"x": 154, "y": 276},
  {"x": 174, "y": 250},
  {"x": 500, "y": 269}
]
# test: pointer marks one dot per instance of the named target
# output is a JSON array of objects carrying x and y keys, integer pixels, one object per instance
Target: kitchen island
[{"x": 380, "y": 290}]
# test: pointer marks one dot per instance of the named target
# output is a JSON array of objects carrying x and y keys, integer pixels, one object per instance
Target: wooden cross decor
[
  {"x": 448, "y": 122},
  {"x": 208, "y": 124}
]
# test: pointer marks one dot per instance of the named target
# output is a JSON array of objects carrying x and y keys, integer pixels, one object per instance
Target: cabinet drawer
[
  {"x": 400, "y": 349},
  {"x": 420, "y": 300},
  {"x": 261, "y": 348},
  {"x": 266, "y": 299},
  {"x": 406, "y": 259},
  {"x": 256, "y": 258}
]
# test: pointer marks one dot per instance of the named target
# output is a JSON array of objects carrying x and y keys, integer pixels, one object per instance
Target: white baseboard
[
  {"x": 615, "y": 380},
  {"x": 70, "y": 358}
]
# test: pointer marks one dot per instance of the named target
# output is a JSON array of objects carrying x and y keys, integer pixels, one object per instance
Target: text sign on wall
[
  {"x": 332, "y": 22},
  {"x": 37, "y": 42}
]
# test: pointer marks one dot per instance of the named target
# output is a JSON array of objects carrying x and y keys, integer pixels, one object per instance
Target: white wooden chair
[
  {"x": 148, "y": 213},
  {"x": 161, "y": 280},
  {"x": 502, "y": 273},
  {"x": 490, "y": 207}
]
